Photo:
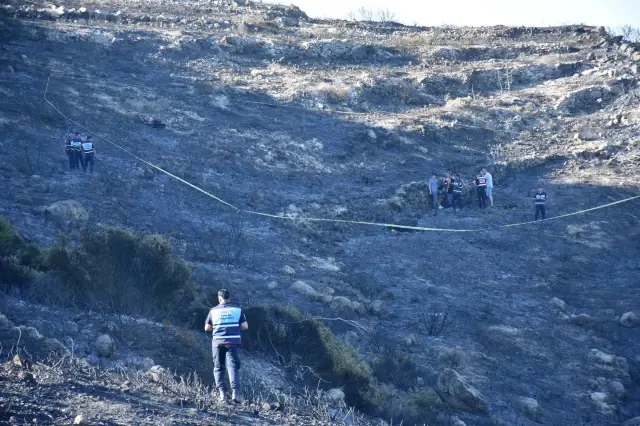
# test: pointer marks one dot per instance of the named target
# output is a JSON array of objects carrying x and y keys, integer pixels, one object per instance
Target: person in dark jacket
[
  {"x": 226, "y": 321},
  {"x": 540, "y": 201}
]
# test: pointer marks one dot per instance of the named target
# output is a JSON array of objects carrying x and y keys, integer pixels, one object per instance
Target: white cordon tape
[{"x": 317, "y": 219}]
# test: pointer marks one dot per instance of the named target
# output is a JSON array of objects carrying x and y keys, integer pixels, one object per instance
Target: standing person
[
  {"x": 225, "y": 321},
  {"x": 481, "y": 189},
  {"x": 76, "y": 151},
  {"x": 69, "y": 150},
  {"x": 540, "y": 200},
  {"x": 88, "y": 154},
  {"x": 448, "y": 187},
  {"x": 433, "y": 191},
  {"x": 489, "y": 180},
  {"x": 457, "y": 185}
]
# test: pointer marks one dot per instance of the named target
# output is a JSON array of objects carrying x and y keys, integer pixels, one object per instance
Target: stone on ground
[
  {"x": 105, "y": 346},
  {"x": 67, "y": 210},
  {"x": 528, "y": 407},
  {"x": 629, "y": 319},
  {"x": 458, "y": 393}
]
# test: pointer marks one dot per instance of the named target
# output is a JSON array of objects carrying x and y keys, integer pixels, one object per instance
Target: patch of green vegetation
[
  {"x": 120, "y": 272},
  {"x": 113, "y": 270},
  {"x": 396, "y": 367},
  {"x": 285, "y": 333},
  {"x": 17, "y": 257}
]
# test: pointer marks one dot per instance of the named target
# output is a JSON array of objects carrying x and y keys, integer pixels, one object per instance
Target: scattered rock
[
  {"x": 272, "y": 285},
  {"x": 145, "y": 172},
  {"x": 305, "y": 289},
  {"x": 602, "y": 357},
  {"x": 582, "y": 320},
  {"x": 10, "y": 69},
  {"x": 156, "y": 373},
  {"x": 371, "y": 135},
  {"x": 632, "y": 422},
  {"x": 79, "y": 420},
  {"x": 343, "y": 304},
  {"x": 66, "y": 211},
  {"x": 377, "y": 307},
  {"x": 629, "y": 319},
  {"x": 288, "y": 271},
  {"x": 528, "y": 407},
  {"x": 105, "y": 346},
  {"x": 559, "y": 304},
  {"x": 335, "y": 395},
  {"x": 585, "y": 100},
  {"x": 410, "y": 340},
  {"x": 575, "y": 230},
  {"x": 602, "y": 400},
  {"x": 617, "y": 389},
  {"x": 455, "y": 391}
]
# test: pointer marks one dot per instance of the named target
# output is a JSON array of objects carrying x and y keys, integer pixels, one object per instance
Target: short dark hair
[
  {"x": 224, "y": 293},
  {"x": 89, "y": 137}
]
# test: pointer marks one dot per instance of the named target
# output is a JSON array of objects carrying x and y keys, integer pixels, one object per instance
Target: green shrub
[
  {"x": 17, "y": 258},
  {"x": 285, "y": 333},
  {"x": 397, "y": 368},
  {"x": 121, "y": 272}
]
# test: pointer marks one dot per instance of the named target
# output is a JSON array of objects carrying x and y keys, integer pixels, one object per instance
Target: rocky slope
[{"x": 278, "y": 113}]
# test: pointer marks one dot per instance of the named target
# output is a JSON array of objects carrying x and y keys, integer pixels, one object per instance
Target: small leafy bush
[
  {"x": 17, "y": 257},
  {"x": 396, "y": 367}
]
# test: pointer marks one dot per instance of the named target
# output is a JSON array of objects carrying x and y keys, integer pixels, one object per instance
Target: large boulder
[
  {"x": 458, "y": 393},
  {"x": 629, "y": 319},
  {"x": 105, "y": 346},
  {"x": 304, "y": 289},
  {"x": 66, "y": 211},
  {"x": 528, "y": 407},
  {"x": 585, "y": 100}
]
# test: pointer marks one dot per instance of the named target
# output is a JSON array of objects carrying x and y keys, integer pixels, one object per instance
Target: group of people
[
  {"x": 81, "y": 151},
  {"x": 452, "y": 186}
]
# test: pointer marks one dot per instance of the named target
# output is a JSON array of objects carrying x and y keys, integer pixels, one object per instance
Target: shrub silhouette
[
  {"x": 285, "y": 333},
  {"x": 17, "y": 257},
  {"x": 120, "y": 272}
]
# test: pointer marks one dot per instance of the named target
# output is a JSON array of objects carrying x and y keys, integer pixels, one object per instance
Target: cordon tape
[{"x": 317, "y": 219}]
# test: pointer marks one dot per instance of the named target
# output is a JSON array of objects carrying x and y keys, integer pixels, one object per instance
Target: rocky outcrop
[
  {"x": 66, "y": 211},
  {"x": 458, "y": 393}
]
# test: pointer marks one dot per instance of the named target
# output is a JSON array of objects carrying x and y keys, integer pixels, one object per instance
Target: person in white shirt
[{"x": 489, "y": 180}]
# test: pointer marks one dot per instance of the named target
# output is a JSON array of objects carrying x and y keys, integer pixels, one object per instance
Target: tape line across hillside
[{"x": 317, "y": 219}]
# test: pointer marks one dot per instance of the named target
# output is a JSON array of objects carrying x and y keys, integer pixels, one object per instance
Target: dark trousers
[
  {"x": 434, "y": 198},
  {"x": 456, "y": 200},
  {"x": 482, "y": 197},
  {"x": 75, "y": 158},
  {"x": 88, "y": 160},
  {"x": 72, "y": 159},
  {"x": 540, "y": 211},
  {"x": 226, "y": 357}
]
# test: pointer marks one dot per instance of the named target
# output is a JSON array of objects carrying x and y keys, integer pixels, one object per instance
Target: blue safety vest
[{"x": 225, "y": 320}]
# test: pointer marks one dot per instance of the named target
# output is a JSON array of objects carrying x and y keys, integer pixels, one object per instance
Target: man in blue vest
[
  {"x": 225, "y": 321},
  {"x": 88, "y": 154},
  {"x": 540, "y": 200}
]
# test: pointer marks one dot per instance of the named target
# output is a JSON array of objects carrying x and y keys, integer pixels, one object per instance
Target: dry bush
[
  {"x": 451, "y": 358},
  {"x": 396, "y": 367},
  {"x": 435, "y": 320}
]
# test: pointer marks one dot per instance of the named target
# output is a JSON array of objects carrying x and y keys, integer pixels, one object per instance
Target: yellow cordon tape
[
  {"x": 160, "y": 169},
  {"x": 317, "y": 219}
]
